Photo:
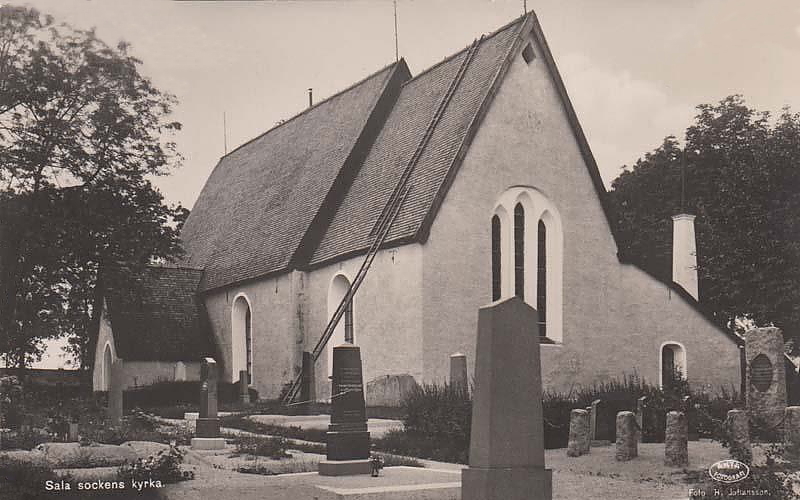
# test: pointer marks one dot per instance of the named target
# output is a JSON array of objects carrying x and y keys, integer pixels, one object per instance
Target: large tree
[
  {"x": 739, "y": 173},
  {"x": 82, "y": 132}
]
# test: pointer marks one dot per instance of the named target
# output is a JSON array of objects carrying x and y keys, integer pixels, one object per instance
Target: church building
[{"x": 504, "y": 198}]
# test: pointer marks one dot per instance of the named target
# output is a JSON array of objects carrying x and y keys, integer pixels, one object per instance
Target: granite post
[
  {"x": 244, "y": 386},
  {"x": 347, "y": 437},
  {"x": 676, "y": 440},
  {"x": 627, "y": 442},
  {"x": 506, "y": 458},
  {"x": 72, "y": 432},
  {"x": 578, "y": 433},
  {"x": 458, "y": 369},
  {"x": 766, "y": 375},
  {"x": 115, "y": 393},
  {"x": 207, "y": 436},
  {"x": 791, "y": 432},
  {"x": 739, "y": 427}
]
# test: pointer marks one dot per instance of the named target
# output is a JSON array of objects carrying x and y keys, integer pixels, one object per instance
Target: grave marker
[
  {"x": 207, "y": 436},
  {"x": 791, "y": 432},
  {"x": 676, "y": 440},
  {"x": 766, "y": 375},
  {"x": 506, "y": 458},
  {"x": 579, "y": 442},
  {"x": 458, "y": 369},
  {"x": 627, "y": 442},
  {"x": 115, "y": 393},
  {"x": 739, "y": 426},
  {"x": 347, "y": 437}
]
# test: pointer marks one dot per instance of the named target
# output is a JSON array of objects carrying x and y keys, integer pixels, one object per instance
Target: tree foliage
[
  {"x": 82, "y": 132},
  {"x": 740, "y": 169}
]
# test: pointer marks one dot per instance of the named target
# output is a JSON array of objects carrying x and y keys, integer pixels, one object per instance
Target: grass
[{"x": 272, "y": 447}]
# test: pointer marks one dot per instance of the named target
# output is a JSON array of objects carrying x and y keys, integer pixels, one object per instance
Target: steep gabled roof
[
  {"x": 263, "y": 198},
  {"x": 349, "y": 231},
  {"x": 159, "y": 317}
]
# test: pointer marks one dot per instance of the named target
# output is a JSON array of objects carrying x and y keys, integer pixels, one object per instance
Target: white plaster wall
[
  {"x": 615, "y": 317},
  {"x": 387, "y": 314},
  {"x": 276, "y": 329}
]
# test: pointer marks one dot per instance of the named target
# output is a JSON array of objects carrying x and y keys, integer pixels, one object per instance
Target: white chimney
[{"x": 684, "y": 253}]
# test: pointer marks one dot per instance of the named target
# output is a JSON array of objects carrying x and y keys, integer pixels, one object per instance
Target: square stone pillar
[
  {"x": 766, "y": 376},
  {"x": 506, "y": 457},
  {"x": 207, "y": 430}
]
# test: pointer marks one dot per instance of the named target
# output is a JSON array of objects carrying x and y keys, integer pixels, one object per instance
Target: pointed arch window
[
  {"x": 541, "y": 278},
  {"x": 519, "y": 251},
  {"x": 248, "y": 342},
  {"x": 348, "y": 322},
  {"x": 496, "y": 254}
]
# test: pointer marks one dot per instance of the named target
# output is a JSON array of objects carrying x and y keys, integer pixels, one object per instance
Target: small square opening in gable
[{"x": 527, "y": 54}]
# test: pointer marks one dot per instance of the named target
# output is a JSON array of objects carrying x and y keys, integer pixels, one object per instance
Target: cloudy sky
[{"x": 635, "y": 69}]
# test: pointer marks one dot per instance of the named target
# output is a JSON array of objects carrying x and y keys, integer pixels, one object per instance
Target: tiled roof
[
  {"x": 159, "y": 317},
  {"x": 262, "y": 198},
  {"x": 349, "y": 230}
]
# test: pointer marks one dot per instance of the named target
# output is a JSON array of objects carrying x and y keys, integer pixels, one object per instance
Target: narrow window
[
  {"x": 248, "y": 341},
  {"x": 495, "y": 258},
  {"x": 528, "y": 54},
  {"x": 519, "y": 251},
  {"x": 348, "y": 323},
  {"x": 541, "y": 279}
]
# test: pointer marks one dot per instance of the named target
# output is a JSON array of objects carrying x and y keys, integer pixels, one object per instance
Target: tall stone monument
[
  {"x": 207, "y": 436},
  {"x": 347, "y": 437},
  {"x": 115, "y": 393},
  {"x": 506, "y": 456},
  {"x": 766, "y": 375}
]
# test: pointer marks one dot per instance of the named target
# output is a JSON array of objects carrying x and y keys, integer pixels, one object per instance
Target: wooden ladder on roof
[{"x": 383, "y": 225}]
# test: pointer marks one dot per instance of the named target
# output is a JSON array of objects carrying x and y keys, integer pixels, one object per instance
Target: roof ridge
[
  {"x": 306, "y": 110},
  {"x": 482, "y": 39}
]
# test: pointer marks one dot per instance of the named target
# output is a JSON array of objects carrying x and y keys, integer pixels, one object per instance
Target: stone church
[{"x": 505, "y": 199}]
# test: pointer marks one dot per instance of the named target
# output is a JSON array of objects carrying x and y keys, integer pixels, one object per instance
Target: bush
[
  {"x": 273, "y": 447},
  {"x": 23, "y": 480},
  {"x": 168, "y": 393},
  {"x": 288, "y": 431},
  {"x": 164, "y": 467},
  {"x": 402, "y": 442}
]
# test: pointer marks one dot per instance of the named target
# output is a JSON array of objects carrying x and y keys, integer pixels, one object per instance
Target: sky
[{"x": 634, "y": 69}]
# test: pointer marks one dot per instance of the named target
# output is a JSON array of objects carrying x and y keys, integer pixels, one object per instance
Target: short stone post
[
  {"x": 791, "y": 432},
  {"x": 578, "y": 433},
  {"x": 739, "y": 426},
  {"x": 207, "y": 436},
  {"x": 506, "y": 457},
  {"x": 115, "y": 393},
  {"x": 627, "y": 442},
  {"x": 766, "y": 375},
  {"x": 347, "y": 436},
  {"x": 640, "y": 403},
  {"x": 458, "y": 370},
  {"x": 676, "y": 440},
  {"x": 244, "y": 386},
  {"x": 72, "y": 432}
]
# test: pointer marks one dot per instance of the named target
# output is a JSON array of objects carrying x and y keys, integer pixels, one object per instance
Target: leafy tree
[
  {"x": 81, "y": 133},
  {"x": 741, "y": 172}
]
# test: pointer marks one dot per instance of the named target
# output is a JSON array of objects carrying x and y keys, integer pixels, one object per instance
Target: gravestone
[
  {"x": 676, "y": 440},
  {"x": 506, "y": 457},
  {"x": 640, "y": 404},
  {"x": 627, "y": 440},
  {"x": 244, "y": 387},
  {"x": 458, "y": 369},
  {"x": 115, "y": 393},
  {"x": 766, "y": 375},
  {"x": 307, "y": 393},
  {"x": 207, "y": 436},
  {"x": 72, "y": 432},
  {"x": 579, "y": 438},
  {"x": 791, "y": 432},
  {"x": 347, "y": 436},
  {"x": 739, "y": 426}
]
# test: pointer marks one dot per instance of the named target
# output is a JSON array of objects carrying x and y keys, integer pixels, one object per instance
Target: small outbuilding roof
[{"x": 159, "y": 317}]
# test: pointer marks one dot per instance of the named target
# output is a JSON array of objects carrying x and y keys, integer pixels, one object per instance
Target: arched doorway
[
  {"x": 344, "y": 331},
  {"x": 673, "y": 363},
  {"x": 241, "y": 339}
]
